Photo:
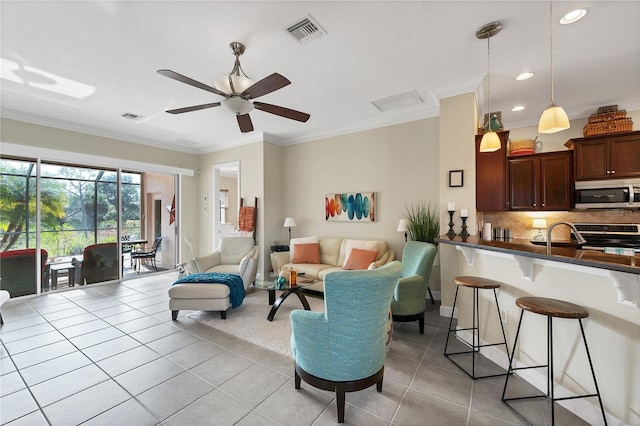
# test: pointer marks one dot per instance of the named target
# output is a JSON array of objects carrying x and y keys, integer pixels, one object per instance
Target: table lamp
[
  {"x": 289, "y": 222},
  {"x": 539, "y": 224},
  {"x": 403, "y": 226}
]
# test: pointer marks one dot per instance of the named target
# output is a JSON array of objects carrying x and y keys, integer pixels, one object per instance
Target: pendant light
[
  {"x": 490, "y": 140},
  {"x": 553, "y": 119}
]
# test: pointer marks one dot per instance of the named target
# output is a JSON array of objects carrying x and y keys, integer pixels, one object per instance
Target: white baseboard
[{"x": 582, "y": 408}]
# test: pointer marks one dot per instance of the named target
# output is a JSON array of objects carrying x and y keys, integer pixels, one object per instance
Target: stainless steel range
[{"x": 615, "y": 235}]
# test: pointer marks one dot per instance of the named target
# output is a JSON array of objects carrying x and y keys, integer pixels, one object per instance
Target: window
[{"x": 79, "y": 207}]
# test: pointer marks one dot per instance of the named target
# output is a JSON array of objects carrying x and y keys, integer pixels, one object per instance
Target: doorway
[{"x": 226, "y": 199}]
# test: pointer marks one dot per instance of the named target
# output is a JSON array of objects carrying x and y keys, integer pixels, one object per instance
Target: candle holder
[
  {"x": 451, "y": 232},
  {"x": 464, "y": 232}
]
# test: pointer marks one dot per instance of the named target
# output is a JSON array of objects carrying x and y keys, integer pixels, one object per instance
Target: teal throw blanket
[{"x": 233, "y": 281}]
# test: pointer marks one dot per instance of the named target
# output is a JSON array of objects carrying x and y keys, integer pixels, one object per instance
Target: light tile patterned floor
[{"x": 110, "y": 355}]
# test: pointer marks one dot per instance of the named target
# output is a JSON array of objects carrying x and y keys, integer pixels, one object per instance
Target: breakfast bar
[{"x": 607, "y": 285}]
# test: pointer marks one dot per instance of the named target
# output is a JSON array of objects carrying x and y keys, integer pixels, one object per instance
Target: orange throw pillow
[
  {"x": 360, "y": 259},
  {"x": 306, "y": 253}
]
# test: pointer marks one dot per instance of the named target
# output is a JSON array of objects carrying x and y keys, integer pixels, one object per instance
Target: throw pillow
[
  {"x": 297, "y": 241},
  {"x": 362, "y": 245},
  {"x": 360, "y": 259},
  {"x": 307, "y": 253}
]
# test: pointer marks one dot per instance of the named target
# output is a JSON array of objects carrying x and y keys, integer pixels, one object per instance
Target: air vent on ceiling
[
  {"x": 401, "y": 100},
  {"x": 305, "y": 29},
  {"x": 130, "y": 116}
]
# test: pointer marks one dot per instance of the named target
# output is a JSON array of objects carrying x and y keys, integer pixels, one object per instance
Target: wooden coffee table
[{"x": 270, "y": 284}]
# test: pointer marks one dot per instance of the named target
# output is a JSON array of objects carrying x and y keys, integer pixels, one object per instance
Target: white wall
[
  {"x": 251, "y": 158},
  {"x": 399, "y": 163},
  {"x": 275, "y": 208}
]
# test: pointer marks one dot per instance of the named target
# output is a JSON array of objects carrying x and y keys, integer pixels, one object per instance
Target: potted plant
[{"x": 424, "y": 222}]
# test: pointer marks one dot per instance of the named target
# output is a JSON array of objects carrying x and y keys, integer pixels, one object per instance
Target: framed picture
[
  {"x": 456, "y": 178},
  {"x": 350, "y": 207}
]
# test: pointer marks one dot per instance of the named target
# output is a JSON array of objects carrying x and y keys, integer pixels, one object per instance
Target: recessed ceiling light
[
  {"x": 517, "y": 108},
  {"x": 524, "y": 76},
  {"x": 573, "y": 16}
]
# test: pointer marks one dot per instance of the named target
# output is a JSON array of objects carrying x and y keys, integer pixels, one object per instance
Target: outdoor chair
[
  {"x": 138, "y": 256},
  {"x": 100, "y": 263},
  {"x": 409, "y": 298},
  {"x": 344, "y": 348},
  {"x": 18, "y": 271}
]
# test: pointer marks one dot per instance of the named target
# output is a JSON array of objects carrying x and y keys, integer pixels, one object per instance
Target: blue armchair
[
  {"x": 409, "y": 298},
  {"x": 343, "y": 349}
]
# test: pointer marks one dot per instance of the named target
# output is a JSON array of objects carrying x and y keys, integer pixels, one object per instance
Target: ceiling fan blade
[
  {"x": 282, "y": 111},
  {"x": 193, "y": 108},
  {"x": 244, "y": 121},
  {"x": 268, "y": 84},
  {"x": 191, "y": 82}
]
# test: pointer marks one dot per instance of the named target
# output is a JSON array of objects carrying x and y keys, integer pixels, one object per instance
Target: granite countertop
[{"x": 560, "y": 252}]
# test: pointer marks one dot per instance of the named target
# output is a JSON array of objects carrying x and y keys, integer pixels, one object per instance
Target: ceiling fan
[{"x": 239, "y": 91}]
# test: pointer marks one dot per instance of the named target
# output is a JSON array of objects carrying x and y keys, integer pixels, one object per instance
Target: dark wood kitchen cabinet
[
  {"x": 541, "y": 181},
  {"x": 611, "y": 156},
  {"x": 491, "y": 176}
]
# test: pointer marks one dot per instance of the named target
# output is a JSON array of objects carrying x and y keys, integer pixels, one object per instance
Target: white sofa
[
  {"x": 333, "y": 253},
  {"x": 235, "y": 255}
]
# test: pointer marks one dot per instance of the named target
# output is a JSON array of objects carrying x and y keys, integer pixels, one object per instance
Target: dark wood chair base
[
  {"x": 408, "y": 318},
  {"x": 340, "y": 388}
]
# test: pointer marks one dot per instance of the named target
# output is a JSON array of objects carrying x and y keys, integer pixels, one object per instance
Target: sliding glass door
[{"x": 88, "y": 223}]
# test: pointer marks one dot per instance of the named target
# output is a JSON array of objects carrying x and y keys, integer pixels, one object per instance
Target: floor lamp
[{"x": 289, "y": 222}]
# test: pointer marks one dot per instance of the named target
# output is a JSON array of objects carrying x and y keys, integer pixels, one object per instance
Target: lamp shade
[
  {"x": 403, "y": 225},
  {"x": 237, "y": 105},
  {"x": 490, "y": 142},
  {"x": 240, "y": 84},
  {"x": 289, "y": 222},
  {"x": 540, "y": 223},
  {"x": 553, "y": 120}
]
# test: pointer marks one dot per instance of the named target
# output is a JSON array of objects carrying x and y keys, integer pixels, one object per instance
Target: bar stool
[
  {"x": 476, "y": 283},
  {"x": 551, "y": 308}
]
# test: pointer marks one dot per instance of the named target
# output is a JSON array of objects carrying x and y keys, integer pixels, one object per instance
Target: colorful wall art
[{"x": 350, "y": 207}]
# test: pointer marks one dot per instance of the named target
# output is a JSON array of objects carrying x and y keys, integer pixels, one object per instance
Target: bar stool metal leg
[
  {"x": 550, "y": 394},
  {"x": 475, "y": 332}
]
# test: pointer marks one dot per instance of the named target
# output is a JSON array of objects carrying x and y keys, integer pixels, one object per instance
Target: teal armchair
[
  {"x": 409, "y": 298},
  {"x": 343, "y": 349}
]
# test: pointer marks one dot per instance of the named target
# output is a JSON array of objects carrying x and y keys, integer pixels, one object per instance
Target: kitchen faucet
[{"x": 579, "y": 236}]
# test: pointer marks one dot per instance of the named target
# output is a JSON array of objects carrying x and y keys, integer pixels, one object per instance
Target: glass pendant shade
[
  {"x": 240, "y": 84},
  {"x": 490, "y": 142},
  {"x": 553, "y": 120},
  {"x": 237, "y": 105}
]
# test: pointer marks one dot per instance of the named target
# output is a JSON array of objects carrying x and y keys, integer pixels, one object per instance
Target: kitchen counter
[
  {"x": 564, "y": 252},
  {"x": 607, "y": 285}
]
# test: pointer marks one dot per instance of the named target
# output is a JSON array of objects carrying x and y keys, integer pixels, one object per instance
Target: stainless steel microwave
[{"x": 608, "y": 194}]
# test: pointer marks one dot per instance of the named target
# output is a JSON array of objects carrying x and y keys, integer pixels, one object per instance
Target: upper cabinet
[
  {"x": 491, "y": 176},
  {"x": 540, "y": 182},
  {"x": 606, "y": 156}
]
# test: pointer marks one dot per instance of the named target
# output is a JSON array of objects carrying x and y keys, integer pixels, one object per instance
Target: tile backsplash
[{"x": 520, "y": 223}]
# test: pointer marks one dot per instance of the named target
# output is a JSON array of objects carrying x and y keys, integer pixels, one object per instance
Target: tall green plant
[{"x": 424, "y": 222}]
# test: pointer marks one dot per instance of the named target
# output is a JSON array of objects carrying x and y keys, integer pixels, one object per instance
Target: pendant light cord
[
  {"x": 489, "y": 81},
  {"x": 551, "y": 46}
]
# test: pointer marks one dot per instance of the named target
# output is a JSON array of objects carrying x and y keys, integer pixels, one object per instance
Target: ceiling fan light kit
[{"x": 238, "y": 92}]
